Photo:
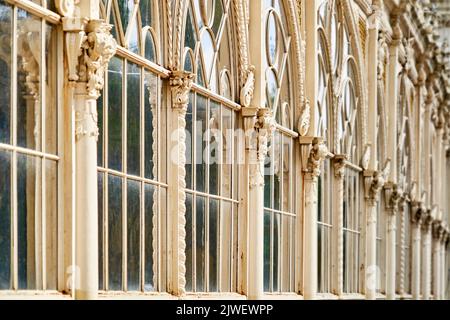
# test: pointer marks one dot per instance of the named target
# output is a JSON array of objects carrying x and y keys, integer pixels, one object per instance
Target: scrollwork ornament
[
  {"x": 304, "y": 119},
  {"x": 246, "y": 95},
  {"x": 98, "y": 48},
  {"x": 180, "y": 84},
  {"x": 66, "y": 7},
  {"x": 318, "y": 153}
]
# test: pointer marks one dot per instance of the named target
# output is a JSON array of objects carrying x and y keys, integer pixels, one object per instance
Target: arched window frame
[
  {"x": 211, "y": 123},
  {"x": 132, "y": 151}
]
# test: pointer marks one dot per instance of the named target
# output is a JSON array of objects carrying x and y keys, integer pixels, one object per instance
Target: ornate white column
[
  {"x": 373, "y": 184},
  {"x": 426, "y": 256},
  {"x": 88, "y": 47},
  {"x": 180, "y": 85},
  {"x": 313, "y": 152},
  {"x": 392, "y": 200},
  {"x": 443, "y": 266},
  {"x": 338, "y": 229},
  {"x": 259, "y": 128},
  {"x": 373, "y": 180},
  {"x": 438, "y": 232},
  {"x": 416, "y": 220}
]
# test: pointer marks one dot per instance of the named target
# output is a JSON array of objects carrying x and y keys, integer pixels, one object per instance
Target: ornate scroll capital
[
  {"x": 418, "y": 212},
  {"x": 427, "y": 220},
  {"x": 98, "y": 48},
  {"x": 304, "y": 119},
  {"x": 373, "y": 182},
  {"x": 339, "y": 166},
  {"x": 265, "y": 127},
  {"x": 313, "y": 152},
  {"x": 259, "y": 127},
  {"x": 393, "y": 196},
  {"x": 246, "y": 94},
  {"x": 180, "y": 85},
  {"x": 89, "y": 47},
  {"x": 438, "y": 230}
]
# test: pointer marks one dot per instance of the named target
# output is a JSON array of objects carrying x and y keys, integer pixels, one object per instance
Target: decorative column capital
[
  {"x": 339, "y": 166},
  {"x": 393, "y": 196},
  {"x": 438, "y": 230},
  {"x": 180, "y": 85},
  {"x": 374, "y": 182},
  {"x": 259, "y": 127},
  {"x": 314, "y": 152},
  {"x": 427, "y": 220},
  {"x": 265, "y": 127},
  {"x": 89, "y": 47},
  {"x": 418, "y": 212}
]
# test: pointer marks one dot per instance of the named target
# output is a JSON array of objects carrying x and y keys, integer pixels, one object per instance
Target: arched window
[
  {"x": 381, "y": 136},
  {"x": 211, "y": 122},
  {"x": 327, "y": 21},
  {"x": 132, "y": 177},
  {"x": 29, "y": 153},
  {"x": 337, "y": 95},
  {"x": 279, "y": 212}
]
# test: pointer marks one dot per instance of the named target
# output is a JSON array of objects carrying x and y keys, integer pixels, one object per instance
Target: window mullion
[{"x": 14, "y": 220}]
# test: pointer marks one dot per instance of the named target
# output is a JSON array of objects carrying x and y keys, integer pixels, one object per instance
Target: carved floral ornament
[
  {"x": 89, "y": 46},
  {"x": 180, "y": 84},
  {"x": 376, "y": 182}
]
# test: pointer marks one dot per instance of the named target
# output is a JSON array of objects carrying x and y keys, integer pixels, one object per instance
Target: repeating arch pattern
[
  {"x": 207, "y": 43},
  {"x": 136, "y": 26}
]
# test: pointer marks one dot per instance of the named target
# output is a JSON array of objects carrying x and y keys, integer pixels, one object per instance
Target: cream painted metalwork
[
  {"x": 132, "y": 154},
  {"x": 29, "y": 150},
  {"x": 224, "y": 149}
]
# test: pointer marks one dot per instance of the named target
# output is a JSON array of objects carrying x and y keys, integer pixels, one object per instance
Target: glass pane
[
  {"x": 101, "y": 233},
  {"x": 146, "y": 12},
  {"x": 227, "y": 152},
  {"x": 218, "y": 15},
  {"x": 51, "y": 112},
  {"x": 115, "y": 113},
  {"x": 201, "y": 125},
  {"x": 133, "y": 119},
  {"x": 278, "y": 167},
  {"x": 133, "y": 234},
  {"x": 272, "y": 88},
  {"x": 51, "y": 222},
  {"x": 267, "y": 250},
  {"x": 226, "y": 245},
  {"x": 151, "y": 124},
  {"x": 5, "y": 219},
  {"x": 28, "y": 85},
  {"x": 207, "y": 45},
  {"x": 100, "y": 130},
  {"x": 189, "y": 33},
  {"x": 115, "y": 232},
  {"x": 189, "y": 142},
  {"x": 150, "y": 47},
  {"x": 29, "y": 177},
  {"x": 272, "y": 39},
  {"x": 215, "y": 141},
  {"x": 150, "y": 217},
  {"x": 276, "y": 251},
  {"x": 165, "y": 260},
  {"x": 5, "y": 74},
  {"x": 287, "y": 172},
  {"x": 200, "y": 243},
  {"x": 189, "y": 243},
  {"x": 133, "y": 43},
  {"x": 126, "y": 11},
  {"x": 213, "y": 245}
]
